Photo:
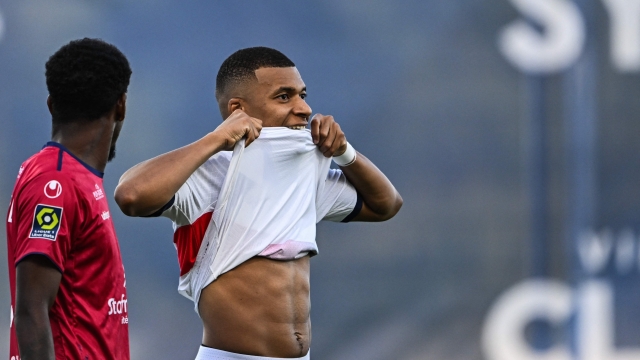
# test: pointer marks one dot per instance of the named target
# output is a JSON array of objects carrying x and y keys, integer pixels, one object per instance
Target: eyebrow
[{"x": 289, "y": 89}]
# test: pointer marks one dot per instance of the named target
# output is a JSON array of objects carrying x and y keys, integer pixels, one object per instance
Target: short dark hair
[
  {"x": 242, "y": 64},
  {"x": 85, "y": 79}
]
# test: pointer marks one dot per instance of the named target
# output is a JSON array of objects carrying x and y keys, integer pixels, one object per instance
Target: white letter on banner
[
  {"x": 504, "y": 328},
  {"x": 556, "y": 49},
  {"x": 624, "y": 16}
]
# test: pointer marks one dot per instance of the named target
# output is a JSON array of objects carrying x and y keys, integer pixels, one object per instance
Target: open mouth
[{"x": 299, "y": 127}]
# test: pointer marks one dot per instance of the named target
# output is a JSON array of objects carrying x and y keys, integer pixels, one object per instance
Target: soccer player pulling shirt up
[{"x": 254, "y": 302}]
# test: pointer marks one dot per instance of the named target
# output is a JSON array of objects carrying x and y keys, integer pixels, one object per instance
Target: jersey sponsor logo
[
  {"x": 118, "y": 307},
  {"x": 98, "y": 194},
  {"x": 46, "y": 222},
  {"x": 53, "y": 189},
  {"x": 105, "y": 215}
]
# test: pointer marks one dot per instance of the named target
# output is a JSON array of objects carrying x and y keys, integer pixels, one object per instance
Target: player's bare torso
[{"x": 259, "y": 308}]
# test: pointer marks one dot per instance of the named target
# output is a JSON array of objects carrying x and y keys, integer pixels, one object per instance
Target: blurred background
[{"x": 510, "y": 127}]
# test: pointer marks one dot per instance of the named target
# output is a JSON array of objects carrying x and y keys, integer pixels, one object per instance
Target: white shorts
[{"x": 207, "y": 353}]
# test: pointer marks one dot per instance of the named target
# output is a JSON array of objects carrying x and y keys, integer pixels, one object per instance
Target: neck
[{"x": 89, "y": 141}]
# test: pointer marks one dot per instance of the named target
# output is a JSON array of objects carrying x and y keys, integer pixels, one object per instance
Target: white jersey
[{"x": 264, "y": 200}]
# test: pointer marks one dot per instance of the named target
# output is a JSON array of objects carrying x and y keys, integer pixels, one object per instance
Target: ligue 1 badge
[
  {"x": 53, "y": 189},
  {"x": 46, "y": 222}
]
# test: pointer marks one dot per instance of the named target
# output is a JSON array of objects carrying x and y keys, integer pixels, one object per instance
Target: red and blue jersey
[{"x": 59, "y": 210}]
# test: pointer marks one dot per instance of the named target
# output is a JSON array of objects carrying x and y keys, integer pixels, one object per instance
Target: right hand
[{"x": 237, "y": 126}]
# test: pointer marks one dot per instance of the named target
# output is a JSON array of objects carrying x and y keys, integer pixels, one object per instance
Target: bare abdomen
[{"x": 259, "y": 308}]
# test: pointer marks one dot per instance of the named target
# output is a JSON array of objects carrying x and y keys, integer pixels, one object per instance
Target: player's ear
[
  {"x": 121, "y": 107},
  {"x": 234, "y": 104}
]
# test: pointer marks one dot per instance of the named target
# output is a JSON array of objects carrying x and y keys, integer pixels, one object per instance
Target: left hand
[{"x": 327, "y": 135}]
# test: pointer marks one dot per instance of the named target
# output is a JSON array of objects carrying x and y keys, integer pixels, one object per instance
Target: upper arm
[
  {"x": 37, "y": 283},
  {"x": 366, "y": 214},
  {"x": 340, "y": 201},
  {"x": 198, "y": 193}
]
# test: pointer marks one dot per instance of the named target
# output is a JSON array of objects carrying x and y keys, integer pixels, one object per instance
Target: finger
[
  {"x": 315, "y": 128},
  {"x": 250, "y": 135},
  {"x": 257, "y": 124},
  {"x": 257, "y": 127},
  {"x": 339, "y": 142},
  {"x": 327, "y": 144},
  {"x": 255, "y": 131},
  {"x": 324, "y": 128}
]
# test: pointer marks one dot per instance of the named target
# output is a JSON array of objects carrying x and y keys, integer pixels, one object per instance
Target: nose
[{"x": 302, "y": 109}]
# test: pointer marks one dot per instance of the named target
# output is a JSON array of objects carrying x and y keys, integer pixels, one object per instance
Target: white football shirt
[{"x": 281, "y": 187}]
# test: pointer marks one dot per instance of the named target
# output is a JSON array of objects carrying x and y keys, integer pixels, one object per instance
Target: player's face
[{"x": 278, "y": 98}]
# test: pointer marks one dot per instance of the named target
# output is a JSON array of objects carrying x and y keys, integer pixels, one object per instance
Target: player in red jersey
[{"x": 68, "y": 288}]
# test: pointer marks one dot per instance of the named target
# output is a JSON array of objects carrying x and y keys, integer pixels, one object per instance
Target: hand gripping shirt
[
  {"x": 59, "y": 210},
  {"x": 263, "y": 200}
]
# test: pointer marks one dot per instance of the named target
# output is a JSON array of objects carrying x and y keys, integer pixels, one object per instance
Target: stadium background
[{"x": 424, "y": 90}]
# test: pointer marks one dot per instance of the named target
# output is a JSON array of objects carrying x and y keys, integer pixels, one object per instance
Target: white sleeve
[
  {"x": 339, "y": 200},
  {"x": 200, "y": 192}
]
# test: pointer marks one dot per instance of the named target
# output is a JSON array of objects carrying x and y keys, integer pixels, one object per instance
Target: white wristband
[{"x": 347, "y": 158}]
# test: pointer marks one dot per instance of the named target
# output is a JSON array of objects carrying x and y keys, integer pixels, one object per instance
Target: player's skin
[
  {"x": 37, "y": 278},
  {"x": 262, "y": 307}
]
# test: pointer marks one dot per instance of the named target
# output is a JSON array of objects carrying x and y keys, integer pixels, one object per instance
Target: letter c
[{"x": 503, "y": 330}]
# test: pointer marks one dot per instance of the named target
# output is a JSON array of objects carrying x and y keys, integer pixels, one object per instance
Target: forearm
[
  {"x": 33, "y": 329},
  {"x": 380, "y": 197},
  {"x": 149, "y": 185}
]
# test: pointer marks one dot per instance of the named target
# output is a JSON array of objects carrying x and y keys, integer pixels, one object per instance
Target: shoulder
[
  {"x": 39, "y": 177},
  {"x": 46, "y": 164},
  {"x": 43, "y": 161},
  {"x": 46, "y": 185},
  {"x": 200, "y": 192}
]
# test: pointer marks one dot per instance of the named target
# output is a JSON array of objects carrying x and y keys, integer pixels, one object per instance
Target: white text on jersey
[
  {"x": 117, "y": 307},
  {"x": 98, "y": 194}
]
